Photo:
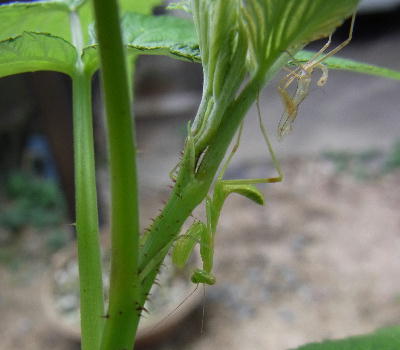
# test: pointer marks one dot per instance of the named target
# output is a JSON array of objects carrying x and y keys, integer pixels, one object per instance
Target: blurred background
[{"x": 319, "y": 260}]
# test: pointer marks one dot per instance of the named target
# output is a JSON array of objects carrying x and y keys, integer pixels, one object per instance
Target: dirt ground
[{"x": 319, "y": 260}]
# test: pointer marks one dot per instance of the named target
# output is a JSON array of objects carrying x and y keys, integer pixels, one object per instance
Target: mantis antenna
[{"x": 176, "y": 308}]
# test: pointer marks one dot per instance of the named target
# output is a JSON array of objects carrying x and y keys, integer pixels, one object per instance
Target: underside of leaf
[
  {"x": 152, "y": 35},
  {"x": 37, "y": 16},
  {"x": 31, "y": 52},
  {"x": 275, "y": 26}
]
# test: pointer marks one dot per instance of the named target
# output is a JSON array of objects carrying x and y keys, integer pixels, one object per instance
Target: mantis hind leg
[
  {"x": 233, "y": 151},
  {"x": 274, "y": 159}
]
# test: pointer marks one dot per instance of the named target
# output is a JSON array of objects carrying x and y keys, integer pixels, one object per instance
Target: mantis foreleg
[{"x": 201, "y": 234}]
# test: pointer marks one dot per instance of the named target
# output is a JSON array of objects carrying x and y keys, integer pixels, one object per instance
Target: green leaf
[
  {"x": 152, "y": 35},
  {"x": 139, "y": 6},
  {"x": 294, "y": 23},
  {"x": 383, "y": 339},
  {"x": 50, "y": 16},
  {"x": 183, "y": 5},
  {"x": 36, "y": 51},
  {"x": 75, "y": 4},
  {"x": 162, "y": 35},
  {"x": 175, "y": 37},
  {"x": 350, "y": 65}
]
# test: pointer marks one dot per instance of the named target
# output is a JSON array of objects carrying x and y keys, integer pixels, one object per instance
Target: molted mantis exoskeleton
[
  {"x": 204, "y": 234},
  {"x": 303, "y": 76}
]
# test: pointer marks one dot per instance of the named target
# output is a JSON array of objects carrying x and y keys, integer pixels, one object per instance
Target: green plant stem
[
  {"x": 87, "y": 227},
  {"x": 124, "y": 312},
  {"x": 90, "y": 276}
]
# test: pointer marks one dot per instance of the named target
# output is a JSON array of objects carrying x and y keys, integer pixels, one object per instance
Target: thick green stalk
[
  {"x": 87, "y": 227},
  {"x": 124, "y": 312},
  {"x": 90, "y": 277}
]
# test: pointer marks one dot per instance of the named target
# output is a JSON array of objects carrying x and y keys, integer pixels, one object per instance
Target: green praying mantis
[{"x": 204, "y": 233}]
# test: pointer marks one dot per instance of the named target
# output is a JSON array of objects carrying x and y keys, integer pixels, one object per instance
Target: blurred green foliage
[
  {"x": 365, "y": 165},
  {"x": 31, "y": 201},
  {"x": 393, "y": 158},
  {"x": 57, "y": 239}
]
